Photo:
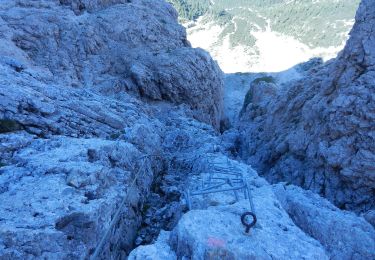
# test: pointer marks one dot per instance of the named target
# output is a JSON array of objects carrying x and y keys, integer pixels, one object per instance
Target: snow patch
[{"x": 272, "y": 52}]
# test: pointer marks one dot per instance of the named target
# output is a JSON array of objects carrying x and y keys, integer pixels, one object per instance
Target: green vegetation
[
  {"x": 268, "y": 79},
  {"x": 221, "y": 17},
  {"x": 145, "y": 208},
  {"x": 163, "y": 21},
  {"x": 190, "y": 9},
  {"x": 316, "y": 24},
  {"x": 249, "y": 94},
  {"x": 322, "y": 22},
  {"x": 116, "y": 135},
  {"x": 2, "y": 164},
  {"x": 7, "y": 125}
]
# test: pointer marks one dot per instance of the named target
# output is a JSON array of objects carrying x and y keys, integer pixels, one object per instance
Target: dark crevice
[
  {"x": 162, "y": 208},
  {"x": 8, "y": 125}
]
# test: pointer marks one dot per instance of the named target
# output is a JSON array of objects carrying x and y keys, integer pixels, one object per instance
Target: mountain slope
[
  {"x": 318, "y": 132},
  {"x": 269, "y": 35},
  {"x": 107, "y": 116},
  {"x": 83, "y": 89}
]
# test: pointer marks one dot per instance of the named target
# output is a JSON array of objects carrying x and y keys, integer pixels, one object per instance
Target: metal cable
[{"x": 104, "y": 239}]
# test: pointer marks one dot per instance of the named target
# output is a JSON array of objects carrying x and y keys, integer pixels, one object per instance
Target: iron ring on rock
[{"x": 245, "y": 223}]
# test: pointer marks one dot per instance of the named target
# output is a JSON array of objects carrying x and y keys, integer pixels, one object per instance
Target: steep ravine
[
  {"x": 106, "y": 117},
  {"x": 312, "y": 215}
]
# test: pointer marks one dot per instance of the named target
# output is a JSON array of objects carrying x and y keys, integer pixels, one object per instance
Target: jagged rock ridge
[{"x": 319, "y": 131}]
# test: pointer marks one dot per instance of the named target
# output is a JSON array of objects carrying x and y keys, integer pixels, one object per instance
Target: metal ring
[{"x": 244, "y": 222}]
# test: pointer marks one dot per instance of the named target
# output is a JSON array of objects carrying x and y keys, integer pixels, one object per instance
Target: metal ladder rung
[
  {"x": 226, "y": 178},
  {"x": 218, "y": 190}
]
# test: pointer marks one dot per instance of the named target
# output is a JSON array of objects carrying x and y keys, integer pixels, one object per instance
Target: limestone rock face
[
  {"x": 106, "y": 114},
  {"x": 88, "y": 89},
  {"x": 344, "y": 234},
  {"x": 217, "y": 233},
  {"x": 167, "y": 75},
  {"x": 79, "y": 6},
  {"x": 59, "y": 195},
  {"x": 291, "y": 223},
  {"x": 318, "y": 132},
  {"x": 113, "y": 47}
]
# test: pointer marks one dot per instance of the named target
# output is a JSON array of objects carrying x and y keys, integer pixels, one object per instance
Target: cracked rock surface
[
  {"x": 107, "y": 114},
  {"x": 318, "y": 132},
  {"x": 292, "y": 224},
  {"x": 86, "y": 87}
]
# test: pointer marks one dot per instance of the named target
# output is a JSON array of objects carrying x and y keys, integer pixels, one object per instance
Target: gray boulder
[
  {"x": 218, "y": 233},
  {"x": 343, "y": 234},
  {"x": 160, "y": 250},
  {"x": 112, "y": 47}
]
